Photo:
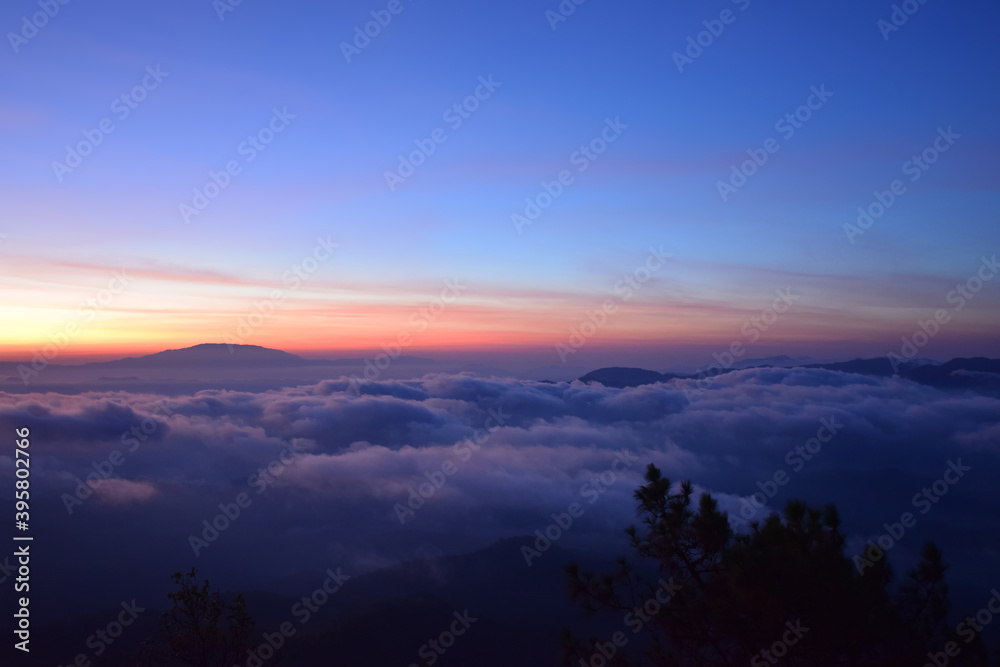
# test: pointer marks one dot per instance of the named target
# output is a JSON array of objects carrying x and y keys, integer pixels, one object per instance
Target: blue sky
[{"x": 324, "y": 174}]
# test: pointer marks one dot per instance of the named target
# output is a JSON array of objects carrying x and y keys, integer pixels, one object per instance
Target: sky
[{"x": 309, "y": 246}]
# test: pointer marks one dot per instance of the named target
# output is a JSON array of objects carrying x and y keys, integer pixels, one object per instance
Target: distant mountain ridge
[
  {"x": 620, "y": 377},
  {"x": 780, "y": 361},
  {"x": 975, "y": 372},
  {"x": 211, "y": 354},
  {"x": 219, "y": 355},
  {"x": 978, "y": 373},
  {"x": 878, "y": 367}
]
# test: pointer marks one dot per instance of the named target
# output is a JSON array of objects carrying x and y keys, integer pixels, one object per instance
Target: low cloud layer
[{"x": 451, "y": 463}]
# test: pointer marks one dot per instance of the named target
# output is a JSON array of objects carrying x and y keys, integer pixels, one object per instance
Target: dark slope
[
  {"x": 977, "y": 373},
  {"x": 626, "y": 377}
]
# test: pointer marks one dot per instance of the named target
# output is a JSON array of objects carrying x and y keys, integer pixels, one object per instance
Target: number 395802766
[{"x": 22, "y": 465}]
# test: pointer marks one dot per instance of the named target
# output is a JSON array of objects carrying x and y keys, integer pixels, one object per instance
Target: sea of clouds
[{"x": 323, "y": 476}]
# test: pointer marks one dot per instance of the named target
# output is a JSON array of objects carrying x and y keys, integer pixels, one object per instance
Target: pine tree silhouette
[
  {"x": 201, "y": 629},
  {"x": 785, "y": 587}
]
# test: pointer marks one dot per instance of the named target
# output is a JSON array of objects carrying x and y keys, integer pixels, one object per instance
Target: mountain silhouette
[
  {"x": 212, "y": 354},
  {"x": 781, "y": 361},
  {"x": 620, "y": 377},
  {"x": 216, "y": 355},
  {"x": 977, "y": 373}
]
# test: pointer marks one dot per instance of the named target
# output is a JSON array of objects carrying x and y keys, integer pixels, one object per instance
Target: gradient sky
[{"x": 656, "y": 185}]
